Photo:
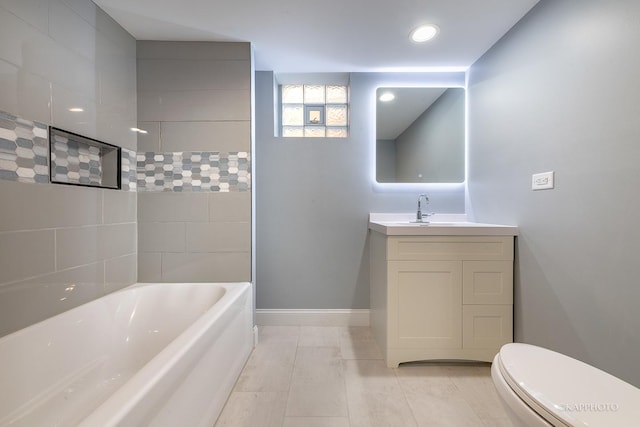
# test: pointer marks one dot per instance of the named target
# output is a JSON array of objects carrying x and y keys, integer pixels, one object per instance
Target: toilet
[{"x": 539, "y": 387}]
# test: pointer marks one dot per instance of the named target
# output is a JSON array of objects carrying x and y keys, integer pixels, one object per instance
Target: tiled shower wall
[
  {"x": 194, "y": 200},
  {"x": 61, "y": 246}
]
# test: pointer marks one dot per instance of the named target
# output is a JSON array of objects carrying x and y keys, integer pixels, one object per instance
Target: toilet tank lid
[{"x": 572, "y": 391}]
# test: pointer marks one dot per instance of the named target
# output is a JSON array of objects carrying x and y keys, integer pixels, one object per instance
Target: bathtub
[{"x": 150, "y": 354}]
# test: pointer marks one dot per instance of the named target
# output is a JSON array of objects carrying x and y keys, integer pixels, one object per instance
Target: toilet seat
[{"x": 565, "y": 391}]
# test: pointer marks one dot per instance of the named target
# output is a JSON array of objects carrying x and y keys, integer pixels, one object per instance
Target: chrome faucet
[{"x": 420, "y": 216}]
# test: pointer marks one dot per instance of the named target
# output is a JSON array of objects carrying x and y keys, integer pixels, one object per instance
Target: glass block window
[{"x": 315, "y": 111}]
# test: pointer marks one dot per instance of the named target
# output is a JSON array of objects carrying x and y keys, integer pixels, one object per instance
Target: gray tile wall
[
  {"x": 193, "y": 98},
  {"x": 59, "y": 54},
  {"x": 62, "y": 246},
  {"x": 194, "y": 237}
]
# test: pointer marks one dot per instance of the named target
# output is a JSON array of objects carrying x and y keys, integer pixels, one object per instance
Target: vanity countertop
[{"x": 438, "y": 225}]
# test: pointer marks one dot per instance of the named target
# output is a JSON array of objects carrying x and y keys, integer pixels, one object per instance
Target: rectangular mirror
[{"x": 420, "y": 135}]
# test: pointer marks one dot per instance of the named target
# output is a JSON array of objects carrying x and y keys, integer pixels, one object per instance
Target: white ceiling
[{"x": 298, "y": 36}]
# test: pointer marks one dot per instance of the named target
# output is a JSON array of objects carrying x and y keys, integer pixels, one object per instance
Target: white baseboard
[{"x": 338, "y": 317}]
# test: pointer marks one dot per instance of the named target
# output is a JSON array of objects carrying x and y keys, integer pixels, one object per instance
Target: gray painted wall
[
  {"x": 194, "y": 96},
  {"x": 433, "y": 145},
  {"x": 313, "y": 199},
  {"x": 62, "y": 246},
  {"x": 560, "y": 92}
]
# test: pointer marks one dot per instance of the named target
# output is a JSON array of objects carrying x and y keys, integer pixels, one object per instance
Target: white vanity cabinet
[{"x": 441, "y": 297}]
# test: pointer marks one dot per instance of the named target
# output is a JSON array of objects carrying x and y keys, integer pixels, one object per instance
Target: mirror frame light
[{"x": 416, "y": 186}]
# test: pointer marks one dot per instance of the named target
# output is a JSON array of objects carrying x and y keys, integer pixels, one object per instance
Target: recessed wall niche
[{"x": 79, "y": 160}]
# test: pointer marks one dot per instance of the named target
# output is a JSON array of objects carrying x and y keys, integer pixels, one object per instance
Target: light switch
[{"x": 542, "y": 181}]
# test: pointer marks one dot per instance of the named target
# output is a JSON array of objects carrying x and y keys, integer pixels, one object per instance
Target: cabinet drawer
[
  {"x": 487, "y": 326},
  {"x": 450, "y": 248},
  {"x": 487, "y": 282}
]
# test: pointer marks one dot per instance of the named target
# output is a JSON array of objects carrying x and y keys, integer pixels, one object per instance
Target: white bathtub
[{"x": 150, "y": 354}]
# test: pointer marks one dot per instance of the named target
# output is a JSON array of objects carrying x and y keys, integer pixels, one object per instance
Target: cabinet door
[
  {"x": 487, "y": 282},
  {"x": 425, "y": 304},
  {"x": 487, "y": 326}
]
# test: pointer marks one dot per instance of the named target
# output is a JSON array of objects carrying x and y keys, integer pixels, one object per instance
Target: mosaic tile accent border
[
  {"x": 129, "y": 170},
  {"x": 194, "y": 171},
  {"x": 24, "y": 157},
  {"x": 23, "y": 150},
  {"x": 75, "y": 162}
]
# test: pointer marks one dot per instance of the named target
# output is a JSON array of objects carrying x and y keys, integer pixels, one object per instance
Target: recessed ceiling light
[
  {"x": 424, "y": 33},
  {"x": 76, "y": 109},
  {"x": 387, "y": 96},
  {"x": 139, "y": 130}
]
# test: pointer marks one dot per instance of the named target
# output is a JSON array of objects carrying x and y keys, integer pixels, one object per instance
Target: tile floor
[{"x": 335, "y": 376}]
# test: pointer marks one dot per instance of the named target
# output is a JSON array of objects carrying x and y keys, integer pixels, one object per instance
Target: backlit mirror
[{"x": 420, "y": 135}]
